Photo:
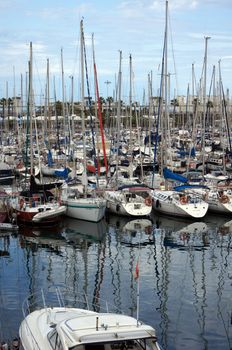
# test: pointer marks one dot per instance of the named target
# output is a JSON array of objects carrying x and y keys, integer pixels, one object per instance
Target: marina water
[{"x": 185, "y": 273}]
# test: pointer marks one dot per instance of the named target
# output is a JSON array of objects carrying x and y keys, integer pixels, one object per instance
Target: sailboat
[
  {"x": 35, "y": 206},
  {"x": 219, "y": 199},
  {"x": 183, "y": 201},
  {"x": 83, "y": 205},
  {"x": 129, "y": 198},
  {"x": 167, "y": 200}
]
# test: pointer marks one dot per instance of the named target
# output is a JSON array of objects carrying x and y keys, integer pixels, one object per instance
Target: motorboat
[
  {"x": 66, "y": 328},
  {"x": 49, "y": 213},
  {"x": 32, "y": 210}
]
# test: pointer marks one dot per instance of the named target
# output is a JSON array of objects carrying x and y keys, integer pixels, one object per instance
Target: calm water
[{"x": 185, "y": 273}]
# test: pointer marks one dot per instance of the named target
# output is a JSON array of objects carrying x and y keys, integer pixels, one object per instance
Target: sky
[{"x": 135, "y": 27}]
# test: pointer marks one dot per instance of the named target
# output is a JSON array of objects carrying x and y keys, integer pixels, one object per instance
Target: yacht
[{"x": 66, "y": 328}]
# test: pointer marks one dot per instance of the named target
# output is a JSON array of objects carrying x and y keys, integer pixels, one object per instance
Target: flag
[{"x": 136, "y": 273}]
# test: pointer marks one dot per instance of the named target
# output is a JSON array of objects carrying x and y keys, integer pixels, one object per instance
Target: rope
[{"x": 90, "y": 103}]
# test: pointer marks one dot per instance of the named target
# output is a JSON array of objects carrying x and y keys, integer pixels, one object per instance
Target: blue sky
[{"x": 134, "y": 26}]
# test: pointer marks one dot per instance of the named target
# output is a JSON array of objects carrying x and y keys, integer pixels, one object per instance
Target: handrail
[{"x": 61, "y": 297}]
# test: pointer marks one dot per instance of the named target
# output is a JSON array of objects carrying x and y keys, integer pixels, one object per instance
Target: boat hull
[
  {"x": 88, "y": 209},
  {"x": 49, "y": 214},
  {"x": 164, "y": 203},
  {"x": 127, "y": 204},
  {"x": 128, "y": 209}
]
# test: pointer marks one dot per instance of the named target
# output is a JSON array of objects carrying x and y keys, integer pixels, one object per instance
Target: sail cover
[{"x": 168, "y": 174}]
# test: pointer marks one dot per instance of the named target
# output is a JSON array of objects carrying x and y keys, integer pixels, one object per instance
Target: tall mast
[
  {"x": 99, "y": 108},
  {"x": 119, "y": 111},
  {"x": 130, "y": 101},
  {"x": 31, "y": 109},
  {"x": 84, "y": 177},
  {"x": 204, "y": 102},
  {"x": 165, "y": 129},
  {"x": 48, "y": 104}
]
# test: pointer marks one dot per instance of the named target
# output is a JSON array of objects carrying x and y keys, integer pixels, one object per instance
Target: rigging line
[
  {"x": 159, "y": 111},
  {"x": 226, "y": 116},
  {"x": 89, "y": 98},
  {"x": 77, "y": 50},
  {"x": 37, "y": 71},
  {"x": 173, "y": 56}
]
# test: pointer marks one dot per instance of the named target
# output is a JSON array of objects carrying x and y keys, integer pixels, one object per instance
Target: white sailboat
[
  {"x": 176, "y": 203},
  {"x": 83, "y": 206},
  {"x": 219, "y": 200},
  {"x": 129, "y": 201},
  {"x": 36, "y": 205},
  {"x": 90, "y": 208}
]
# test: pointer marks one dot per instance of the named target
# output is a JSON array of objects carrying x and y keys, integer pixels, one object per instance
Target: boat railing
[{"x": 59, "y": 297}]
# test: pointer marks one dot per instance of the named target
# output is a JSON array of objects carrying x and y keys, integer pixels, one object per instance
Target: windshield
[{"x": 138, "y": 344}]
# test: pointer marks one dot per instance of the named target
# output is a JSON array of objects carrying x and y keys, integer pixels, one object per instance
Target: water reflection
[
  {"x": 185, "y": 273},
  {"x": 77, "y": 231},
  {"x": 202, "y": 274},
  {"x": 49, "y": 238}
]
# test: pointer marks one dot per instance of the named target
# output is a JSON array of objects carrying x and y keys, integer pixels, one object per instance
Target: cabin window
[
  {"x": 147, "y": 344},
  {"x": 94, "y": 347}
]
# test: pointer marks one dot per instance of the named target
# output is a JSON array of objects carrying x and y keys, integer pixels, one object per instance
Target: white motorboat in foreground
[{"x": 65, "y": 328}]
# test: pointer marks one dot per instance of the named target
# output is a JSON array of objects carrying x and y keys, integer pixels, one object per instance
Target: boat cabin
[{"x": 102, "y": 332}]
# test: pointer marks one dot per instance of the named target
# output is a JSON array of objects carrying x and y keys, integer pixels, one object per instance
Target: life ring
[
  {"x": 148, "y": 201},
  {"x": 224, "y": 199},
  {"x": 184, "y": 200},
  {"x": 21, "y": 203}
]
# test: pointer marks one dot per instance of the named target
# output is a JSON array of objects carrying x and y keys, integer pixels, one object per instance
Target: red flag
[{"x": 136, "y": 274}]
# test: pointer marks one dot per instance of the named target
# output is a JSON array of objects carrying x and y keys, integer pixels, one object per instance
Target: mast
[
  {"x": 130, "y": 101},
  {"x": 165, "y": 129},
  {"x": 119, "y": 111},
  {"x": 20, "y": 116},
  {"x": 63, "y": 98},
  {"x": 99, "y": 108},
  {"x": 49, "y": 129},
  {"x": 57, "y": 121},
  {"x": 30, "y": 97},
  {"x": 204, "y": 102},
  {"x": 72, "y": 108},
  {"x": 84, "y": 175}
]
